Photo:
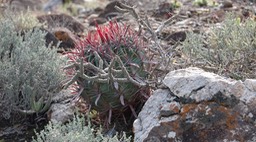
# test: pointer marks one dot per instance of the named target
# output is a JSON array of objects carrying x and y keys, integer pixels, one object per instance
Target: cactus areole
[{"x": 109, "y": 68}]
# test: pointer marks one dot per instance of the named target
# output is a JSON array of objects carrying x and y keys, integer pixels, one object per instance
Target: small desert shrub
[
  {"x": 75, "y": 131},
  {"x": 29, "y": 72},
  {"x": 229, "y": 50}
]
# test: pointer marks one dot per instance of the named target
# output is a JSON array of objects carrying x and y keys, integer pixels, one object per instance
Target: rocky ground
[{"x": 80, "y": 15}]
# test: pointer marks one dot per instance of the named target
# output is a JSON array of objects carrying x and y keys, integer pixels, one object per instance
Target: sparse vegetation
[
  {"x": 30, "y": 72},
  {"x": 21, "y": 21},
  {"x": 76, "y": 131},
  {"x": 228, "y": 50},
  {"x": 114, "y": 67}
]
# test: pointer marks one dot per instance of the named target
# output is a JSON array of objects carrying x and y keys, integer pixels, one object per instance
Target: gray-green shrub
[
  {"x": 29, "y": 72},
  {"x": 228, "y": 50},
  {"x": 75, "y": 131}
]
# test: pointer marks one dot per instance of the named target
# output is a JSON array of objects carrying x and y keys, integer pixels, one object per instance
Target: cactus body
[{"x": 116, "y": 81}]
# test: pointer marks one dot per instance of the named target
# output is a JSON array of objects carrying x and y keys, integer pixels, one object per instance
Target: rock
[
  {"x": 199, "y": 106},
  {"x": 52, "y": 4},
  {"x": 93, "y": 20},
  {"x": 63, "y": 108},
  {"x": 62, "y": 113},
  {"x": 61, "y": 20},
  {"x": 195, "y": 84},
  {"x": 176, "y": 36},
  {"x": 50, "y": 39},
  {"x": 110, "y": 11},
  {"x": 226, "y": 4},
  {"x": 169, "y": 109},
  {"x": 149, "y": 116},
  {"x": 60, "y": 35},
  {"x": 67, "y": 38},
  {"x": 250, "y": 84},
  {"x": 164, "y": 10}
]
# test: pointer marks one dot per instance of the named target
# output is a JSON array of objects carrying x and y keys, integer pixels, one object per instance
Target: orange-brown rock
[{"x": 67, "y": 38}]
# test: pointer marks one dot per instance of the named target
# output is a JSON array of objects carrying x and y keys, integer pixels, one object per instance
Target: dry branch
[
  {"x": 157, "y": 49},
  {"x": 103, "y": 75}
]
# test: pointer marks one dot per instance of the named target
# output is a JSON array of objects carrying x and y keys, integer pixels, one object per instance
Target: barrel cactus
[{"x": 110, "y": 67}]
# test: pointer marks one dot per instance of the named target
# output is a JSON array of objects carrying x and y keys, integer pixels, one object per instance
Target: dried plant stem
[
  {"x": 141, "y": 22},
  {"x": 100, "y": 60},
  {"x": 102, "y": 76},
  {"x": 157, "y": 49},
  {"x": 167, "y": 22},
  {"x": 127, "y": 74}
]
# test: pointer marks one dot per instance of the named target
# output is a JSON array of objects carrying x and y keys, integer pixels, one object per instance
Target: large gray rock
[{"x": 199, "y": 106}]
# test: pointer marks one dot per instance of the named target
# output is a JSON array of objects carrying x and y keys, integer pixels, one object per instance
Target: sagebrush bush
[
  {"x": 29, "y": 72},
  {"x": 228, "y": 50},
  {"x": 75, "y": 131}
]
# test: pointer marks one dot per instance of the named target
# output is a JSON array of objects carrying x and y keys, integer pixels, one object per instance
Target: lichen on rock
[{"x": 210, "y": 108}]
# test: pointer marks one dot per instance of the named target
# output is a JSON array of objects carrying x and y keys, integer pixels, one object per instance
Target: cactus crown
[{"x": 108, "y": 41}]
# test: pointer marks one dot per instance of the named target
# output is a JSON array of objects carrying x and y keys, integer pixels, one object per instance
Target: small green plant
[
  {"x": 200, "y": 2},
  {"x": 205, "y": 3},
  {"x": 76, "y": 131},
  {"x": 175, "y": 4},
  {"x": 111, "y": 67},
  {"x": 229, "y": 50},
  {"x": 30, "y": 72}
]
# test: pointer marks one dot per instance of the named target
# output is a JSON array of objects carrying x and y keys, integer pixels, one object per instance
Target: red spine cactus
[{"x": 109, "y": 66}]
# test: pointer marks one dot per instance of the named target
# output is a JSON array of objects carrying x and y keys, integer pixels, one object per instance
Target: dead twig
[
  {"x": 157, "y": 48},
  {"x": 102, "y": 75}
]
